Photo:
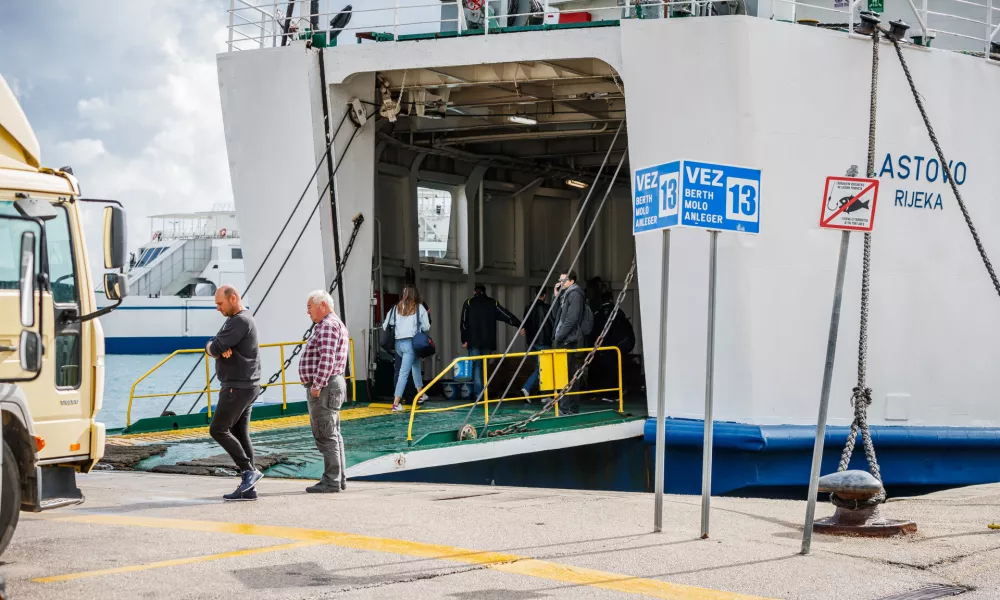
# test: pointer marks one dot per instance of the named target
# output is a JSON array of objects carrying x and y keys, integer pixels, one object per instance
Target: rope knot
[{"x": 862, "y": 394}]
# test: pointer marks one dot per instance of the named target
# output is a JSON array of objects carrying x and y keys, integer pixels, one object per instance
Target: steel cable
[
  {"x": 545, "y": 282},
  {"x": 576, "y": 257},
  {"x": 271, "y": 249}
]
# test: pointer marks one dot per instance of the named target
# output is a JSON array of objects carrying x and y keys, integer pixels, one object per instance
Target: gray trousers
[{"x": 324, "y": 416}]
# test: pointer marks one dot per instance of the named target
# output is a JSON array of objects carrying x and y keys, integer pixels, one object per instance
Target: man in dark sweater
[
  {"x": 480, "y": 314},
  {"x": 568, "y": 332},
  {"x": 237, "y": 366}
]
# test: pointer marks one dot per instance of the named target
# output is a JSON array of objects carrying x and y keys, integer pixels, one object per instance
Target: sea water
[{"x": 123, "y": 370}]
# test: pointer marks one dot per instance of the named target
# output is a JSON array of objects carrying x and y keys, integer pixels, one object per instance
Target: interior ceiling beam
[
  {"x": 507, "y": 162},
  {"x": 540, "y": 93},
  {"x": 565, "y": 69},
  {"x": 470, "y": 122},
  {"x": 473, "y": 76},
  {"x": 509, "y": 100}
]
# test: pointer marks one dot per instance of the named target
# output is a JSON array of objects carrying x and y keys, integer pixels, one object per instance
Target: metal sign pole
[
  {"x": 661, "y": 393},
  {"x": 824, "y": 400},
  {"x": 706, "y": 453}
]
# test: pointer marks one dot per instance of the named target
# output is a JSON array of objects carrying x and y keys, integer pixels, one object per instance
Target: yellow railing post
[
  {"x": 284, "y": 384},
  {"x": 208, "y": 386},
  {"x": 621, "y": 387},
  {"x": 354, "y": 373},
  {"x": 131, "y": 394},
  {"x": 486, "y": 395},
  {"x": 423, "y": 390}
]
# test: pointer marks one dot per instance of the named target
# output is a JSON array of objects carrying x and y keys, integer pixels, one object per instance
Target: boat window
[
  {"x": 437, "y": 232},
  {"x": 237, "y": 253},
  {"x": 144, "y": 259},
  {"x": 150, "y": 255}
]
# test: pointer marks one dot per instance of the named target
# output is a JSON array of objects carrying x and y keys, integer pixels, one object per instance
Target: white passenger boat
[{"x": 172, "y": 283}]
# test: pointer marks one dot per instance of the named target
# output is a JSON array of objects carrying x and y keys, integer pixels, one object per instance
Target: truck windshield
[{"x": 62, "y": 272}]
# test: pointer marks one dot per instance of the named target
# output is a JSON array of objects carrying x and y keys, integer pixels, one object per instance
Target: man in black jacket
[
  {"x": 480, "y": 314},
  {"x": 532, "y": 324}
]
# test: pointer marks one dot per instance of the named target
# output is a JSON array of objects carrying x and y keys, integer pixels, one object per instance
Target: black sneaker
[
  {"x": 250, "y": 479},
  {"x": 322, "y": 488},
  {"x": 244, "y": 497}
]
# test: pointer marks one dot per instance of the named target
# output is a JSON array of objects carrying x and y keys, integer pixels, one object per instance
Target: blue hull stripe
[
  {"x": 761, "y": 456},
  {"x": 152, "y": 345}
]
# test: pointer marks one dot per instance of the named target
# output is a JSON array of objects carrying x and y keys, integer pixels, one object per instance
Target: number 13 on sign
[{"x": 741, "y": 196}]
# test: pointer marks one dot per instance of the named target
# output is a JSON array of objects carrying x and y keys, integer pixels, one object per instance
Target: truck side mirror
[
  {"x": 114, "y": 237},
  {"x": 115, "y": 286},
  {"x": 31, "y": 351},
  {"x": 26, "y": 287}
]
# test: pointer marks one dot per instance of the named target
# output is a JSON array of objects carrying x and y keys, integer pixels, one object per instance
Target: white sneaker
[
  {"x": 397, "y": 408},
  {"x": 525, "y": 393}
]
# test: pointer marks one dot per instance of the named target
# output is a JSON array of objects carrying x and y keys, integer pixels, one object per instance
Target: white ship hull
[
  {"x": 790, "y": 100},
  {"x": 160, "y": 325}
]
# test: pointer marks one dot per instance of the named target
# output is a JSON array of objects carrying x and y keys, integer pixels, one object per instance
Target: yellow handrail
[
  {"x": 486, "y": 401},
  {"x": 208, "y": 378}
]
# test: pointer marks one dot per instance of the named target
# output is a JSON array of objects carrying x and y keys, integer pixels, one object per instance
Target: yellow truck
[{"x": 51, "y": 343}]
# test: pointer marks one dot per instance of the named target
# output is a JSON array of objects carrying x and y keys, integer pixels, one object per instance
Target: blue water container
[{"x": 463, "y": 371}]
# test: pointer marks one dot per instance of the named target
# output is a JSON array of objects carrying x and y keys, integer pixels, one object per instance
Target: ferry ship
[
  {"x": 172, "y": 283},
  {"x": 517, "y": 113}
]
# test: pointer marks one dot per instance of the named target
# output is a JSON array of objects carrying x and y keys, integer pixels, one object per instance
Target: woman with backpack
[{"x": 406, "y": 320}]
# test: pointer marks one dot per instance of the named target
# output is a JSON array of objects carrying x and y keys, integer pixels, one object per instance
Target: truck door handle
[{"x": 7, "y": 348}]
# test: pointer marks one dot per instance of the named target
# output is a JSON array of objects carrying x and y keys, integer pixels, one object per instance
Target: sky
[{"x": 126, "y": 93}]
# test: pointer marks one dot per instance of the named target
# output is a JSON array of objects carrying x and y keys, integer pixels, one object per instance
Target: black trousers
[
  {"x": 231, "y": 424},
  {"x": 570, "y": 404}
]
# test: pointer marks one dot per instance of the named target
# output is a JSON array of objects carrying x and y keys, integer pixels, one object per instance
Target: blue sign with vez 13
[
  {"x": 697, "y": 194},
  {"x": 656, "y": 198}
]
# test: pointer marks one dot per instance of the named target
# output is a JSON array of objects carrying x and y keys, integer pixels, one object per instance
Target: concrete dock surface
[{"x": 142, "y": 535}]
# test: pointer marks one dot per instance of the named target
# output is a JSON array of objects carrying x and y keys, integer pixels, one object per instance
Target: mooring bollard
[{"x": 855, "y": 494}]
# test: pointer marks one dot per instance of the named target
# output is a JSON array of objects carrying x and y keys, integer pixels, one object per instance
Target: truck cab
[{"x": 51, "y": 342}]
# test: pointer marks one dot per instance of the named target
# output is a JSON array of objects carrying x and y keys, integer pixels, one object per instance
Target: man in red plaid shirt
[{"x": 321, "y": 370}]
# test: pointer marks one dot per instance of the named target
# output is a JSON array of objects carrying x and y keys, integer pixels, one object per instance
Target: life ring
[
  {"x": 156, "y": 236},
  {"x": 222, "y": 232}
]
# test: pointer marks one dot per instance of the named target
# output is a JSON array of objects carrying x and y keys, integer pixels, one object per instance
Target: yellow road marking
[
  {"x": 507, "y": 563},
  {"x": 374, "y": 409},
  {"x": 172, "y": 563}
]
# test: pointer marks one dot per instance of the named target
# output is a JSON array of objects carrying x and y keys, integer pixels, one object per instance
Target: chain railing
[{"x": 208, "y": 391}]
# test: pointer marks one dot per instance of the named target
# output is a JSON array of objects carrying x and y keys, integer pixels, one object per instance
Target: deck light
[
  {"x": 522, "y": 120},
  {"x": 575, "y": 183},
  {"x": 869, "y": 23}
]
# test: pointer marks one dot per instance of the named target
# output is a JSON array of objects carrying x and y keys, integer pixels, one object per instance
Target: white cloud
[
  {"x": 96, "y": 113},
  {"x": 81, "y": 152},
  {"x": 156, "y": 144}
]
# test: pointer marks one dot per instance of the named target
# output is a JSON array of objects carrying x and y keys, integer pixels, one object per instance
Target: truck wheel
[{"x": 10, "y": 498}]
